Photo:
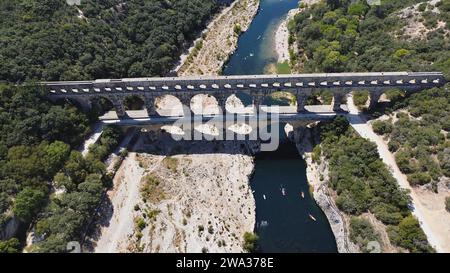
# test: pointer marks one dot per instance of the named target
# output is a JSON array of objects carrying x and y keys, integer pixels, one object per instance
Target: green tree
[
  {"x": 10, "y": 246},
  {"x": 409, "y": 235},
  {"x": 27, "y": 203}
]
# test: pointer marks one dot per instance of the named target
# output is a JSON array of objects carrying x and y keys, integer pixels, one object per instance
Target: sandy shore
[
  {"x": 282, "y": 37},
  {"x": 218, "y": 41}
]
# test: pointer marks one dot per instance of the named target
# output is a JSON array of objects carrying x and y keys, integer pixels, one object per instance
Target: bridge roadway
[{"x": 256, "y": 86}]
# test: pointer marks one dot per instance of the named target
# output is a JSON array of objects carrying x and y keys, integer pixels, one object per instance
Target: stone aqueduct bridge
[{"x": 257, "y": 86}]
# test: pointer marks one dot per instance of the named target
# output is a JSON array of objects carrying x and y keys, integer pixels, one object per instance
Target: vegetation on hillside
[
  {"x": 346, "y": 35},
  {"x": 50, "y": 40},
  {"x": 363, "y": 183},
  {"x": 35, "y": 142},
  {"x": 419, "y": 135}
]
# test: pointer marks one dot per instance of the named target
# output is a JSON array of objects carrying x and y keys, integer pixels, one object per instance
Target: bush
[
  {"x": 393, "y": 145},
  {"x": 140, "y": 223},
  {"x": 250, "y": 241},
  {"x": 419, "y": 179},
  {"x": 409, "y": 235},
  {"x": 387, "y": 214},
  {"x": 237, "y": 29},
  {"x": 362, "y": 232},
  {"x": 382, "y": 127}
]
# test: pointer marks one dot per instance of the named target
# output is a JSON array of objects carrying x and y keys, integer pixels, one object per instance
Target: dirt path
[
  {"x": 124, "y": 196},
  {"x": 360, "y": 124},
  {"x": 93, "y": 137}
]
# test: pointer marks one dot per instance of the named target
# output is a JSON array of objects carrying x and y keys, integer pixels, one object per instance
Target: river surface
[{"x": 283, "y": 221}]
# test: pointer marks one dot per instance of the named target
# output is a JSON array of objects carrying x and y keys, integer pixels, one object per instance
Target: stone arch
[
  {"x": 239, "y": 102},
  {"x": 392, "y": 95},
  {"x": 78, "y": 102},
  {"x": 134, "y": 105},
  {"x": 285, "y": 100},
  {"x": 134, "y": 102},
  {"x": 168, "y": 106},
  {"x": 320, "y": 97},
  {"x": 100, "y": 105},
  {"x": 361, "y": 98},
  {"x": 280, "y": 98},
  {"x": 204, "y": 104}
]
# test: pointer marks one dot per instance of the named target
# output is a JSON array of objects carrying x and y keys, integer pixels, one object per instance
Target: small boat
[
  {"x": 312, "y": 217},
  {"x": 303, "y": 195},
  {"x": 283, "y": 191},
  {"x": 259, "y": 37},
  {"x": 264, "y": 196},
  {"x": 251, "y": 54}
]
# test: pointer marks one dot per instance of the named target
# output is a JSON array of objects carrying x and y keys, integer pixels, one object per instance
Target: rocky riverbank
[
  {"x": 209, "y": 52},
  {"x": 317, "y": 175}
]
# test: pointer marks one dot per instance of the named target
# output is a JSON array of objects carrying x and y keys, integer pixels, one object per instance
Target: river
[{"x": 283, "y": 221}]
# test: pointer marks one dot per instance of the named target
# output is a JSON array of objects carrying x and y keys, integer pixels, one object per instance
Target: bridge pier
[
  {"x": 301, "y": 101},
  {"x": 374, "y": 97},
  {"x": 257, "y": 101},
  {"x": 185, "y": 100},
  {"x": 118, "y": 106},
  {"x": 150, "y": 105},
  {"x": 337, "y": 100},
  {"x": 222, "y": 103}
]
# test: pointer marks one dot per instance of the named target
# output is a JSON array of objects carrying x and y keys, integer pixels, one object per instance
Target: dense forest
[
  {"x": 50, "y": 40},
  {"x": 345, "y": 35}
]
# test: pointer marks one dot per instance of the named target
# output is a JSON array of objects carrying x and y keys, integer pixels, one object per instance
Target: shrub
[
  {"x": 237, "y": 29},
  {"x": 409, "y": 235},
  {"x": 419, "y": 179},
  {"x": 10, "y": 246},
  {"x": 171, "y": 163},
  {"x": 250, "y": 241},
  {"x": 362, "y": 232},
  {"x": 140, "y": 223},
  {"x": 382, "y": 127},
  {"x": 387, "y": 214}
]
